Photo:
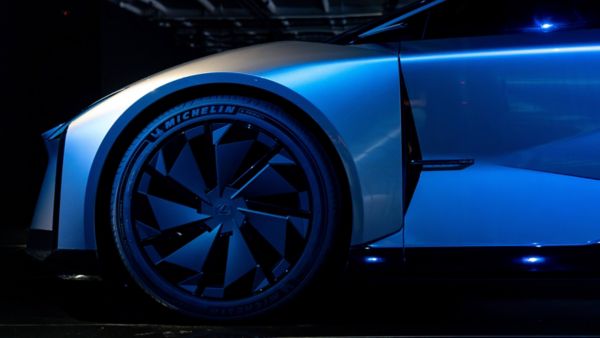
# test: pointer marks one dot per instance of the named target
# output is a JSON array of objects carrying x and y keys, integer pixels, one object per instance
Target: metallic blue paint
[
  {"x": 524, "y": 108},
  {"x": 527, "y": 112},
  {"x": 364, "y": 127},
  {"x": 493, "y": 205}
]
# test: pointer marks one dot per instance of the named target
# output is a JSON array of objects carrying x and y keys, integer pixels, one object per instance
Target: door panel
[{"x": 527, "y": 110}]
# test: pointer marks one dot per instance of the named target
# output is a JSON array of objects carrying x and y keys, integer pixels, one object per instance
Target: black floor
[{"x": 33, "y": 303}]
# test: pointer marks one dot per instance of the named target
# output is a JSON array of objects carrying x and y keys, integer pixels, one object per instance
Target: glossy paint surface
[
  {"x": 524, "y": 108},
  {"x": 351, "y": 92},
  {"x": 527, "y": 110},
  {"x": 495, "y": 205}
]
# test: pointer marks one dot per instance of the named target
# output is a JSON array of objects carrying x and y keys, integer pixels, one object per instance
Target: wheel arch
[{"x": 146, "y": 109}]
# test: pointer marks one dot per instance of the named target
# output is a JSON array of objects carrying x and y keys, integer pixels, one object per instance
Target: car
[{"x": 453, "y": 136}]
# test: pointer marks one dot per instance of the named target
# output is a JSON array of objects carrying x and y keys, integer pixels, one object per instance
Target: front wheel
[{"x": 226, "y": 207}]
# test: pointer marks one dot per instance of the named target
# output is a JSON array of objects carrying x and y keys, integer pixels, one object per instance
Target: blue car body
[{"x": 483, "y": 141}]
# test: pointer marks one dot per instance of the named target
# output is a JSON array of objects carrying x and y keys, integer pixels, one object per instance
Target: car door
[{"x": 505, "y": 98}]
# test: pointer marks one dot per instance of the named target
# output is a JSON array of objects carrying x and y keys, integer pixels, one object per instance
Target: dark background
[{"x": 57, "y": 58}]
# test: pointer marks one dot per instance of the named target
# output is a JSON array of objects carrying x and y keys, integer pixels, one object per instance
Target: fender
[{"x": 376, "y": 145}]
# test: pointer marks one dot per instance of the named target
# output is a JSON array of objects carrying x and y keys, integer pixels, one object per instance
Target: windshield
[{"x": 403, "y": 7}]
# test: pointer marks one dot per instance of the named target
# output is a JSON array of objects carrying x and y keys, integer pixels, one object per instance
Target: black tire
[{"x": 242, "y": 187}]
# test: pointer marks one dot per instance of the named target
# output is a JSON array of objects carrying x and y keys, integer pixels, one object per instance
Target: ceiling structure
[{"x": 216, "y": 25}]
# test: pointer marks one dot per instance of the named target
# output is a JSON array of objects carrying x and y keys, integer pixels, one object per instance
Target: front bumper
[{"x": 42, "y": 237}]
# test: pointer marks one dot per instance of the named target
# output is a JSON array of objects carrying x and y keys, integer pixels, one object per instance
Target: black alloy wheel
[{"x": 225, "y": 207}]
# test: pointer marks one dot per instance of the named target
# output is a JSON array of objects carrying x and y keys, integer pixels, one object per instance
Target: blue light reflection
[
  {"x": 502, "y": 53},
  {"x": 543, "y": 26},
  {"x": 373, "y": 260},
  {"x": 546, "y": 26},
  {"x": 533, "y": 260}
]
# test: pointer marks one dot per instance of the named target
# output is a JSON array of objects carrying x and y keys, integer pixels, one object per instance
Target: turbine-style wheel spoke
[
  {"x": 228, "y": 156},
  {"x": 239, "y": 258},
  {"x": 170, "y": 214},
  {"x": 277, "y": 209},
  {"x": 186, "y": 172},
  {"x": 257, "y": 166},
  {"x": 193, "y": 254},
  {"x": 272, "y": 227},
  {"x": 158, "y": 163},
  {"x": 267, "y": 181},
  {"x": 146, "y": 232},
  {"x": 228, "y": 210}
]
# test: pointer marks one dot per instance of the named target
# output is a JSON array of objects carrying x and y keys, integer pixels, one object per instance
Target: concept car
[{"x": 455, "y": 136}]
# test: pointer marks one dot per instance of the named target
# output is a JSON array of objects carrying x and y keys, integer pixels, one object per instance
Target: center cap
[{"x": 224, "y": 210}]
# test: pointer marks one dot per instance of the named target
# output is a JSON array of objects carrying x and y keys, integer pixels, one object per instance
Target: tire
[{"x": 225, "y": 207}]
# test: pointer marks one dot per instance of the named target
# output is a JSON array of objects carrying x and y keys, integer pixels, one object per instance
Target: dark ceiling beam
[
  {"x": 215, "y": 25},
  {"x": 208, "y": 5},
  {"x": 134, "y": 9},
  {"x": 270, "y": 5},
  {"x": 326, "y": 6},
  {"x": 261, "y": 9},
  {"x": 157, "y": 4},
  {"x": 320, "y": 16},
  {"x": 170, "y": 11}
]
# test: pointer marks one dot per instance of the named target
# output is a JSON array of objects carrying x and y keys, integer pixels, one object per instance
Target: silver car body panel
[{"x": 351, "y": 92}]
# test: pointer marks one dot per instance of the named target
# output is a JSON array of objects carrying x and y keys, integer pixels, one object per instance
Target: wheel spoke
[
  {"x": 146, "y": 232},
  {"x": 266, "y": 182},
  {"x": 261, "y": 280},
  {"x": 191, "y": 283},
  {"x": 301, "y": 225},
  {"x": 185, "y": 171},
  {"x": 212, "y": 222},
  {"x": 298, "y": 218},
  {"x": 170, "y": 214},
  {"x": 219, "y": 132},
  {"x": 271, "y": 227},
  {"x": 252, "y": 179},
  {"x": 158, "y": 163},
  {"x": 239, "y": 258},
  {"x": 193, "y": 254},
  {"x": 229, "y": 157},
  {"x": 257, "y": 166},
  {"x": 278, "y": 209},
  {"x": 281, "y": 159}
]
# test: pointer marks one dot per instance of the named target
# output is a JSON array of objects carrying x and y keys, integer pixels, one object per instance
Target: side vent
[{"x": 410, "y": 147}]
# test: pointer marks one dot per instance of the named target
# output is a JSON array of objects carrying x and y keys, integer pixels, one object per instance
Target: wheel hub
[{"x": 224, "y": 209}]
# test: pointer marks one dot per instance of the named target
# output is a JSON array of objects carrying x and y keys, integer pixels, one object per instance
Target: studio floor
[{"x": 34, "y": 302}]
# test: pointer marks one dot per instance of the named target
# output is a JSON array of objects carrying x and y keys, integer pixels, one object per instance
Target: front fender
[{"x": 355, "y": 100}]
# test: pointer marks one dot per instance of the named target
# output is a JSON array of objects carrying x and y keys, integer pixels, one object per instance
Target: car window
[{"x": 465, "y": 18}]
